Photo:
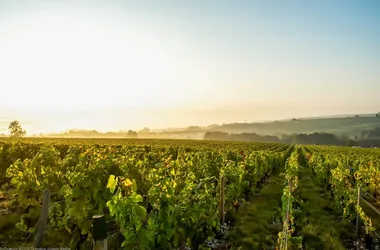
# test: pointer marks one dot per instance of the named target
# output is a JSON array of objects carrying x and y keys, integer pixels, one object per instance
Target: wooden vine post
[
  {"x": 357, "y": 214},
  {"x": 287, "y": 214},
  {"x": 43, "y": 219},
  {"x": 221, "y": 205},
  {"x": 100, "y": 232}
]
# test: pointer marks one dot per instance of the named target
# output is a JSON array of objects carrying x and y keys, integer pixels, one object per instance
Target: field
[{"x": 169, "y": 194}]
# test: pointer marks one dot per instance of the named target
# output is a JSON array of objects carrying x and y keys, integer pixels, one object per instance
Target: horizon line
[{"x": 347, "y": 115}]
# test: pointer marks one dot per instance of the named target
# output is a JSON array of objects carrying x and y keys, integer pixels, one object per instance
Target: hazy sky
[{"x": 112, "y": 65}]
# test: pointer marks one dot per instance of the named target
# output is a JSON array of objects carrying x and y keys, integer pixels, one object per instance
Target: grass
[
  {"x": 259, "y": 221},
  {"x": 318, "y": 223}
]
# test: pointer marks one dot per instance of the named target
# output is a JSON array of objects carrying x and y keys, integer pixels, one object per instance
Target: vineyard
[{"x": 182, "y": 194}]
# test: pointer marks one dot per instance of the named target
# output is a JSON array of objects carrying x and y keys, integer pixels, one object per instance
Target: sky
[{"x": 117, "y": 65}]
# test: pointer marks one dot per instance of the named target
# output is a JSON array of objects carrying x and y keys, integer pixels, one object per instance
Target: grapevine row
[
  {"x": 161, "y": 197},
  {"x": 344, "y": 172},
  {"x": 285, "y": 238}
]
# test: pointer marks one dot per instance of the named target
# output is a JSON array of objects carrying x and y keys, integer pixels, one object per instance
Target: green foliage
[
  {"x": 126, "y": 206},
  {"x": 160, "y": 196},
  {"x": 288, "y": 212},
  {"x": 164, "y": 194},
  {"x": 344, "y": 170}
]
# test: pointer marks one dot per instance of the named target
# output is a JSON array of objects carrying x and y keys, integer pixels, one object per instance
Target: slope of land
[{"x": 350, "y": 126}]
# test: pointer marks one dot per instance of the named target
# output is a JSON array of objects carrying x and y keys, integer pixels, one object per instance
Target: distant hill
[{"x": 350, "y": 126}]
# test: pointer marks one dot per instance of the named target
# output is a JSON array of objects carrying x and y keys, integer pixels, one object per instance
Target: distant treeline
[
  {"x": 367, "y": 138},
  {"x": 369, "y": 134},
  {"x": 145, "y": 133},
  {"x": 96, "y": 134}
]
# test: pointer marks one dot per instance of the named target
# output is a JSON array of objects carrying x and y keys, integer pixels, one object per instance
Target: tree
[
  {"x": 15, "y": 129},
  {"x": 145, "y": 131},
  {"x": 132, "y": 134},
  {"x": 194, "y": 128}
]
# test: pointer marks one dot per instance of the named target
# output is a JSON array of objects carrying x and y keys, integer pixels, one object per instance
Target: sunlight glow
[
  {"x": 64, "y": 65},
  {"x": 113, "y": 65}
]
